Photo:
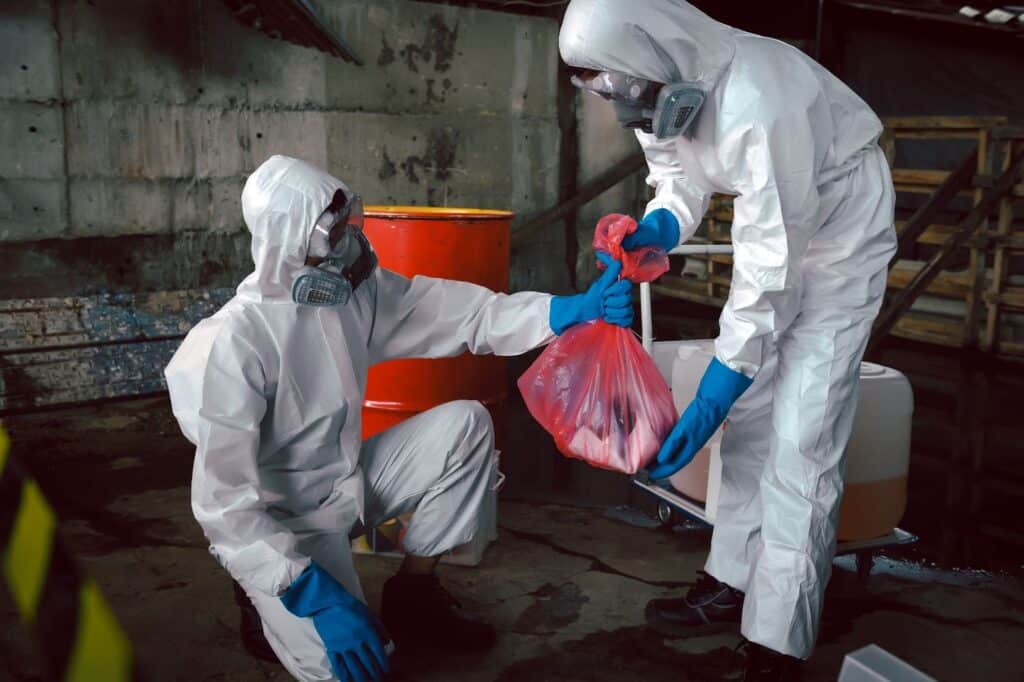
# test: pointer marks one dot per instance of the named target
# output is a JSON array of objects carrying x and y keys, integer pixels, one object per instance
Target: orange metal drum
[{"x": 455, "y": 243}]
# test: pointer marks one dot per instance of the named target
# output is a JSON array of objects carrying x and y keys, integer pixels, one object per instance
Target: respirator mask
[
  {"x": 347, "y": 257},
  {"x": 665, "y": 111}
]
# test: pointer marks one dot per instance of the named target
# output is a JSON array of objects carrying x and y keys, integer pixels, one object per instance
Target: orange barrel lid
[{"x": 436, "y": 213}]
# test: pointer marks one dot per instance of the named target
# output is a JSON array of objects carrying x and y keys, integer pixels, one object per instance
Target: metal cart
[{"x": 672, "y": 503}]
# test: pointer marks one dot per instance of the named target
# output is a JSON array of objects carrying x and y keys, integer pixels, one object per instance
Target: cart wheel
[
  {"x": 865, "y": 561},
  {"x": 666, "y": 515}
]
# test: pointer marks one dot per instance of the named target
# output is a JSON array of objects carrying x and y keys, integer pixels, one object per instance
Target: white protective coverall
[
  {"x": 270, "y": 392},
  {"x": 813, "y": 233}
]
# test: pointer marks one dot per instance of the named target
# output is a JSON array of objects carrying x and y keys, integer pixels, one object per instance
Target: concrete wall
[{"x": 129, "y": 126}]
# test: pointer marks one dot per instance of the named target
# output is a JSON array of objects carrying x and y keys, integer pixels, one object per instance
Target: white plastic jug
[
  {"x": 877, "y": 457},
  {"x": 701, "y": 478}
]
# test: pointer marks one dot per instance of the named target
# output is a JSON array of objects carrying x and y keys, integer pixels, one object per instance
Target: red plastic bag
[
  {"x": 644, "y": 264},
  {"x": 601, "y": 396}
]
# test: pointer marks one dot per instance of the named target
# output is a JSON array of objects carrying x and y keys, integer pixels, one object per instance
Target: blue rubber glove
[
  {"x": 719, "y": 388},
  {"x": 606, "y": 298},
  {"x": 352, "y": 635},
  {"x": 658, "y": 228}
]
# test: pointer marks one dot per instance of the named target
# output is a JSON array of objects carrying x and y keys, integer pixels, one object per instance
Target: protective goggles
[
  {"x": 334, "y": 229},
  {"x": 347, "y": 259},
  {"x": 664, "y": 110},
  {"x": 617, "y": 87}
]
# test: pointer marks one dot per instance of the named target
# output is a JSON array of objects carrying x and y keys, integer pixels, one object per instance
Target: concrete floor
[{"x": 566, "y": 585}]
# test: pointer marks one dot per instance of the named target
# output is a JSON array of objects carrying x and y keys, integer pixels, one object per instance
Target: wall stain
[
  {"x": 387, "y": 54},
  {"x": 439, "y": 196},
  {"x": 211, "y": 271},
  {"x": 438, "y": 45},
  {"x": 431, "y": 95},
  {"x": 387, "y": 167},
  {"x": 441, "y": 147},
  {"x": 438, "y": 157},
  {"x": 409, "y": 167},
  {"x": 441, "y": 97}
]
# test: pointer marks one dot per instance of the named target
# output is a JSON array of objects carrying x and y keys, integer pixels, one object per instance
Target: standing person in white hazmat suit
[
  {"x": 717, "y": 109},
  {"x": 270, "y": 388}
]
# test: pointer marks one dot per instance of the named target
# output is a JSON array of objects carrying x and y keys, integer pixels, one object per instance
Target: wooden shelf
[{"x": 982, "y": 285}]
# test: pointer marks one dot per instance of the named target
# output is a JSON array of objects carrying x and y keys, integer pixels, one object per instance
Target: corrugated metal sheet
[{"x": 296, "y": 21}]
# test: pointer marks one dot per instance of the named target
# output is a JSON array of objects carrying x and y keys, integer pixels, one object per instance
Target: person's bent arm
[
  {"x": 227, "y": 500},
  {"x": 678, "y": 206}
]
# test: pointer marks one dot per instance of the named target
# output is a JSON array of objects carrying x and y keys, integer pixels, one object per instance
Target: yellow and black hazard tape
[{"x": 80, "y": 637}]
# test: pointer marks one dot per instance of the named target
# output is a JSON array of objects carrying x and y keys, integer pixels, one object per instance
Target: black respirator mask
[{"x": 663, "y": 110}]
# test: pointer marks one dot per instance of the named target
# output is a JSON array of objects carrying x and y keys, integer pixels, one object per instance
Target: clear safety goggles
[
  {"x": 663, "y": 110},
  {"x": 336, "y": 234},
  {"x": 346, "y": 258},
  {"x": 616, "y": 87}
]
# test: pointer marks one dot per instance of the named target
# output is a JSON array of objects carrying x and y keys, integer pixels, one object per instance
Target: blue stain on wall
[{"x": 59, "y": 351}]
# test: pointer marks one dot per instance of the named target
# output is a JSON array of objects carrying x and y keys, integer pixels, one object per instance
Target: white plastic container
[
  {"x": 683, "y": 364},
  {"x": 878, "y": 455},
  {"x": 875, "y": 664}
]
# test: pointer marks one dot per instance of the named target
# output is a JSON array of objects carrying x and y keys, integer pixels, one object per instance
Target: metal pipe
[
  {"x": 646, "y": 320},
  {"x": 595, "y": 188},
  {"x": 646, "y": 314},
  {"x": 701, "y": 249}
]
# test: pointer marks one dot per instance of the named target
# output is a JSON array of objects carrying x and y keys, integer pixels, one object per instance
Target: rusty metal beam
[
  {"x": 926, "y": 214},
  {"x": 297, "y": 21},
  {"x": 586, "y": 193}
]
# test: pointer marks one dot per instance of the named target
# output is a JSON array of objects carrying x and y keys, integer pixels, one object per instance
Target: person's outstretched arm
[{"x": 426, "y": 317}]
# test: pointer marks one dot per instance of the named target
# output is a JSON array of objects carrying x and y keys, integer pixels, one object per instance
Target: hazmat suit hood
[
  {"x": 666, "y": 41},
  {"x": 281, "y": 203}
]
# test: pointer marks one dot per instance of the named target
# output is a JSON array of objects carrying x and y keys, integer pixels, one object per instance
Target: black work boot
[
  {"x": 420, "y": 614},
  {"x": 765, "y": 665},
  {"x": 710, "y": 606},
  {"x": 251, "y": 628}
]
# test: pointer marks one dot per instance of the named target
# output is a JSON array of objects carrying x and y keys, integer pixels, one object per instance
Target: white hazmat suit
[
  {"x": 270, "y": 392},
  {"x": 813, "y": 234}
]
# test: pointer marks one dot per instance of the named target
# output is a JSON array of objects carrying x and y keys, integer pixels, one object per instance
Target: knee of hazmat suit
[
  {"x": 771, "y": 127},
  {"x": 270, "y": 391}
]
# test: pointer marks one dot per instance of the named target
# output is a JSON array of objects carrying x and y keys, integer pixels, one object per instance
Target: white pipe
[
  {"x": 701, "y": 249},
  {"x": 646, "y": 321},
  {"x": 646, "y": 316}
]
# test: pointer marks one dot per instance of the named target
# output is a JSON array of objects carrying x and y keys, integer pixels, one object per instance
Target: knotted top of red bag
[{"x": 644, "y": 264}]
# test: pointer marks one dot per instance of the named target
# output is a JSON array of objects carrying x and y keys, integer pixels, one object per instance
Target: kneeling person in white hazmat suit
[
  {"x": 269, "y": 389},
  {"x": 716, "y": 109}
]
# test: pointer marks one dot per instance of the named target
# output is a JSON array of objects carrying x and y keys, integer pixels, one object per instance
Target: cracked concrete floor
[{"x": 565, "y": 585}]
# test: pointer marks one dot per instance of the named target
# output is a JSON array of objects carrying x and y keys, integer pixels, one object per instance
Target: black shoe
[
  {"x": 251, "y": 628},
  {"x": 420, "y": 614},
  {"x": 765, "y": 665},
  {"x": 710, "y": 606}
]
